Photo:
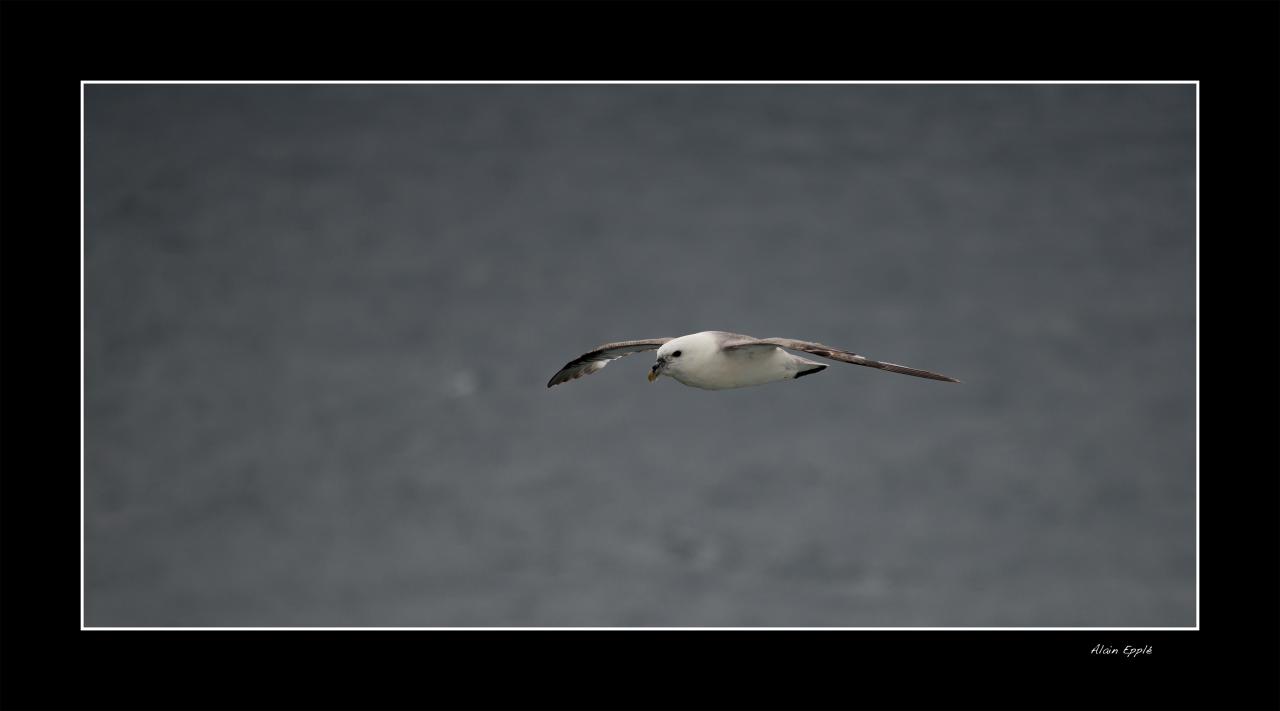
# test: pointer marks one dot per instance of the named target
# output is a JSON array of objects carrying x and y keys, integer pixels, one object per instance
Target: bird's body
[
  {"x": 719, "y": 360},
  {"x": 703, "y": 364}
]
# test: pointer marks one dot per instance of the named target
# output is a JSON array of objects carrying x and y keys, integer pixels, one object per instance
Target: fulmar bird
[{"x": 718, "y": 360}]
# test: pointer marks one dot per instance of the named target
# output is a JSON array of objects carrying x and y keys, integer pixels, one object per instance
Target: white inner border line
[{"x": 781, "y": 82}]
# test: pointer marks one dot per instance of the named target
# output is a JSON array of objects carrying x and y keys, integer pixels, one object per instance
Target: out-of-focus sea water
[{"x": 320, "y": 321}]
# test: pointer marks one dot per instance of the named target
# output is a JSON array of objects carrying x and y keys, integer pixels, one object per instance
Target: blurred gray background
[{"x": 319, "y": 323}]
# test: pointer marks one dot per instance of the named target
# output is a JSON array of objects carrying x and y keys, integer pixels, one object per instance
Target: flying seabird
[{"x": 718, "y": 360}]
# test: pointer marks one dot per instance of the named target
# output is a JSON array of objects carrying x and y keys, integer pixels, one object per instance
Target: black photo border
[{"x": 1230, "y": 47}]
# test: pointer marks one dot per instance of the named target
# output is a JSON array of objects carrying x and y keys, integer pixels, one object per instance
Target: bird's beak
[{"x": 656, "y": 370}]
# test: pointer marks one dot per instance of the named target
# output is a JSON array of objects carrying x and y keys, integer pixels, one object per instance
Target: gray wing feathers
[
  {"x": 837, "y": 354},
  {"x": 588, "y": 363}
]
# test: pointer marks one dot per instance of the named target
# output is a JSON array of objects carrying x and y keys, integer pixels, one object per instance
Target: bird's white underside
[{"x": 724, "y": 370}]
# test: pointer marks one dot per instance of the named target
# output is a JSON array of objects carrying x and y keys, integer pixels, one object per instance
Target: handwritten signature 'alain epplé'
[{"x": 1128, "y": 651}]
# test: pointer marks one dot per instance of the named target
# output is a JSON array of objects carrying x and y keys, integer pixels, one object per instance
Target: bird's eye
[{"x": 676, "y": 354}]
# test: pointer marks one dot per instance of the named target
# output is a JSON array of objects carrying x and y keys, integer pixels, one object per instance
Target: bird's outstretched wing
[
  {"x": 588, "y": 363},
  {"x": 833, "y": 353}
]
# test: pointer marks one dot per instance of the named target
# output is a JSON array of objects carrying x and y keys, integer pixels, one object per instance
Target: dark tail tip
[{"x": 810, "y": 371}]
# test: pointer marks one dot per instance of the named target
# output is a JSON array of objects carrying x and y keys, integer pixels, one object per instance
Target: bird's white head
[{"x": 679, "y": 355}]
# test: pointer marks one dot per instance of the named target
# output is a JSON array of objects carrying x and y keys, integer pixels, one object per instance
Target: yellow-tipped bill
[{"x": 653, "y": 375}]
